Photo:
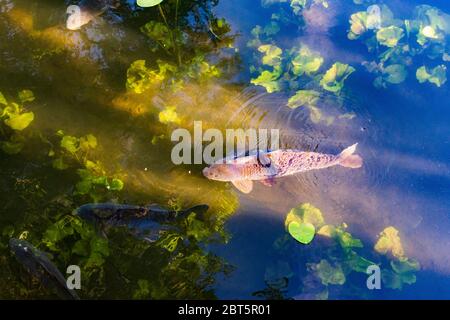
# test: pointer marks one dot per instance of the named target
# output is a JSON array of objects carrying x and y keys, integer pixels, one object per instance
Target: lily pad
[
  {"x": 437, "y": 75},
  {"x": 306, "y": 62},
  {"x": 405, "y": 265},
  {"x": 169, "y": 115},
  {"x": 329, "y": 274},
  {"x": 148, "y": 3},
  {"x": 390, "y": 36},
  {"x": 358, "y": 25},
  {"x": 389, "y": 242},
  {"x": 272, "y": 55},
  {"x": 26, "y": 96},
  {"x": 328, "y": 231},
  {"x": 302, "y": 232},
  {"x": 70, "y": 143},
  {"x": 303, "y": 97},
  {"x": 269, "y": 80},
  {"x": 116, "y": 185},
  {"x": 305, "y": 213},
  {"x": 3, "y": 100},
  {"x": 19, "y": 121},
  {"x": 395, "y": 73},
  {"x": 334, "y": 78}
]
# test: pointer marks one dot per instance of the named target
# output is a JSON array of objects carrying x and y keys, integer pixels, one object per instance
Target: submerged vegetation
[
  {"x": 15, "y": 119},
  {"x": 296, "y": 69},
  {"x": 86, "y": 117},
  {"x": 329, "y": 257},
  {"x": 59, "y": 165},
  {"x": 399, "y": 42}
]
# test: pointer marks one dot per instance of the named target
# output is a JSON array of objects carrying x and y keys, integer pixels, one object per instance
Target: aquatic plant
[
  {"x": 333, "y": 79},
  {"x": 389, "y": 241},
  {"x": 296, "y": 5},
  {"x": 332, "y": 256},
  {"x": 76, "y": 152},
  {"x": 436, "y": 75},
  {"x": 424, "y": 36},
  {"x": 14, "y": 119},
  {"x": 148, "y": 3},
  {"x": 295, "y": 69},
  {"x": 173, "y": 38}
]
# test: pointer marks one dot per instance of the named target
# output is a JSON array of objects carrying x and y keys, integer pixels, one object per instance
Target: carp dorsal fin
[
  {"x": 264, "y": 159},
  {"x": 244, "y": 186}
]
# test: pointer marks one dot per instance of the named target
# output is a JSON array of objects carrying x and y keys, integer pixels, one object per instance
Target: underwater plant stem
[
  {"x": 175, "y": 44},
  {"x": 176, "y": 13}
]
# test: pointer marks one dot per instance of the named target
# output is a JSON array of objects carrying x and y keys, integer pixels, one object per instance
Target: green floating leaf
[
  {"x": 328, "y": 231},
  {"x": 346, "y": 240},
  {"x": 26, "y": 96},
  {"x": 268, "y": 80},
  {"x": 390, "y": 36},
  {"x": 148, "y": 3},
  {"x": 358, "y": 25},
  {"x": 357, "y": 263},
  {"x": 3, "y": 100},
  {"x": 361, "y": 22},
  {"x": 395, "y": 73},
  {"x": 140, "y": 78},
  {"x": 19, "y": 121},
  {"x": 306, "y": 62},
  {"x": 169, "y": 115},
  {"x": 298, "y": 5},
  {"x": 170, "y": 242},
  {"x": 433, "y": 25},
  {"x": 116, "y": 185},
  {"x": 437, "y": 75},
  {"x": 303, "y": 97},
  {"x": 88, "y": 142},
  {"x": 316, "y": 115},
  {"x": 405, "y": 265},
  {"x": 272, "y": 55},
  {"x": 334, "y": 78},
  {"x": 70, "y": 143},
  {"x": 305, "y": 213},
  {"x": 302, "y": 232},
  {"x": 329, "y": 274},
  {"x": 389, "y": 241},
  {"x": 402, "y": 273}
]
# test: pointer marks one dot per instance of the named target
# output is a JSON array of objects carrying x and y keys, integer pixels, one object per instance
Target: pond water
[{"x": 87, "y": 116}]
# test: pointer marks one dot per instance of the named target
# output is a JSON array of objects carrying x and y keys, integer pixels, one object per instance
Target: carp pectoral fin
[
  {"x": 268, "y": 182},
  {"x": 264, "y": 159},
  {"x": 244, "y": 186}
]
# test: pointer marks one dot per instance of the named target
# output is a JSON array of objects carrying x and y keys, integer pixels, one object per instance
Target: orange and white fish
[{"x": 265, "y": 166}]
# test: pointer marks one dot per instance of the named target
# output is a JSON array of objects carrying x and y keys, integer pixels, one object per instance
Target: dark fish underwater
[
  {"x": 145, "y": 221},
  {"x": 39, "y": 266}
]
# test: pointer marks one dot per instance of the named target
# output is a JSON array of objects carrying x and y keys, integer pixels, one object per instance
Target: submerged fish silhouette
[
  {"x": 39, "y": 266},
  {"x": 265, "y": 166},
  {"x": 87, "y": 11},
  {"x": 146, "y": 221}
]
